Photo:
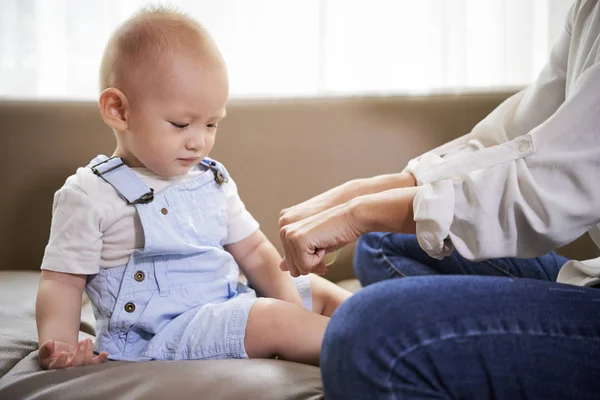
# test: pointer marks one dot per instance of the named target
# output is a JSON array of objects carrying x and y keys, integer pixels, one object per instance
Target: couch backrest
[{"x": 279, "y": 152}]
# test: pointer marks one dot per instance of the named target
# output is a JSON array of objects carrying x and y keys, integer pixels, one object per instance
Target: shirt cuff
[
  {"x": 433, "y": 207},
  {"x": 419, "y": 166}
]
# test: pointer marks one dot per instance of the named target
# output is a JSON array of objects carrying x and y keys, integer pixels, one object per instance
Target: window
[{"x": 292, "y": 48}]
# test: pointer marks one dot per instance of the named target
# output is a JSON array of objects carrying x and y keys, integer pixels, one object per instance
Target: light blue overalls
[{"x": 178, "y": 297}]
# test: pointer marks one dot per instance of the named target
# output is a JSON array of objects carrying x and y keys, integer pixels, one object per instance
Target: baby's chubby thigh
[
  {"x": 245, "y": 326},
  {"x": 211, "y": 331}
]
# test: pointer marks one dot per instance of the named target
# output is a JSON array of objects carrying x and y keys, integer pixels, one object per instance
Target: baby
[{"x": 156, "y": 234}]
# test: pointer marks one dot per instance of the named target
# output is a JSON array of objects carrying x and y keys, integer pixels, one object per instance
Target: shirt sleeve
[
  {"x": 75, "y": 240},
  {"x": 530, "y": 187},
  {"x": 240, "y": 223},
  {"x": 520, "y": 113}
]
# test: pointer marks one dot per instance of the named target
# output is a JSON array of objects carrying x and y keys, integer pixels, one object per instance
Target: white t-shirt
[
  {"x": 93, "y": 227},
  {"x": 525, "y": 180}
]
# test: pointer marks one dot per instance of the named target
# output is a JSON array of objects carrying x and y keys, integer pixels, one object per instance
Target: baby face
[{"x": 172, "y": 122}]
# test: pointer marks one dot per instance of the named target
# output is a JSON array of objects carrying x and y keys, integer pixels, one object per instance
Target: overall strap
[
  {"x": 127, "y": 184},
  {"x": 217, "y": 169}
]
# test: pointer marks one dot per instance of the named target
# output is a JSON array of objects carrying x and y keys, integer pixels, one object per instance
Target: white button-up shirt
[{"x": 526, "y": 180}]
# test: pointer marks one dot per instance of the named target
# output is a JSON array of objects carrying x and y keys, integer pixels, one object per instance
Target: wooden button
[
  {"x": 219, "y": 177},
  {"x": 130, "y": 307},
  {"x": 164, "y": 211},
  {"x": 139, "y": 276}
]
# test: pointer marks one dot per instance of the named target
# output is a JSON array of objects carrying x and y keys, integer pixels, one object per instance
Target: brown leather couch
[{"x": 280, "y": 152}]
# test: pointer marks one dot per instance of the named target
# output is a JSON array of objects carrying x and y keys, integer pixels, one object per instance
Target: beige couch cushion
[{"x": 21, "y": 376}]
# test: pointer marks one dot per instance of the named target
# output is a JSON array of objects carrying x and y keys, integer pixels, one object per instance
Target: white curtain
[{"x": 296, "y": 48}]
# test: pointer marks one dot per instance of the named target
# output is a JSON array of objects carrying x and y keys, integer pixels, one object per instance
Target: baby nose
[
  {"x": 195, "y": 143},
  {"x": 190, "y": 147}
]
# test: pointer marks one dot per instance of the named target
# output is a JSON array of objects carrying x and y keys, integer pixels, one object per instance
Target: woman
[{"x": 522, "y": 183}]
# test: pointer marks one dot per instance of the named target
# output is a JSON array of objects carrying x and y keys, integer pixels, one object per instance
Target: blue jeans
[{"x": 449, "y": 334}]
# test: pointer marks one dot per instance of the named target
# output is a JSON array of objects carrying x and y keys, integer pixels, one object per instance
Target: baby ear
[{"x": 113, "y": 108}]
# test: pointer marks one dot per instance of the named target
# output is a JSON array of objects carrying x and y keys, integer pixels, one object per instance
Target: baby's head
[{"x": 164, "y": 89}]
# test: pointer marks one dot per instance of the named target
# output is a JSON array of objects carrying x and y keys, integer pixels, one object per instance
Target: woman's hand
[
  {"x": 300, "y": 211},
  {"x": 54, "y": 354},
  {"x": 307, "y": 241}
]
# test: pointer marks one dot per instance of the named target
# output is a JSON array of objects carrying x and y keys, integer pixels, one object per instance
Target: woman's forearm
[
  {"x": 343, "y": 194},
  {"x": 366, "y": 186},
  {"x": 389, "y": 211}
]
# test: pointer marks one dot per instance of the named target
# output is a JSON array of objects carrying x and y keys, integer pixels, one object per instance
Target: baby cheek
[
  {"x": 157, "y": 152},
  {"x": 207, "y": 149},
  {"x": 168, "y": 144},
  {"x": 210, "y": 141}
]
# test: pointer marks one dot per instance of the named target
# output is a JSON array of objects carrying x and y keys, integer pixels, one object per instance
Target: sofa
[{"x": 280, "y": 152}]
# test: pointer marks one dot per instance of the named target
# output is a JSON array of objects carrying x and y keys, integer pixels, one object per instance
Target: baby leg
[
  {"x": 283, "y": 329},
  {"x": 326, "y": 295}
]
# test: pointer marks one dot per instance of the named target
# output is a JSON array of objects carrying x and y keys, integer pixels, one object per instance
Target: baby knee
[{"x": 271, "y": 310}]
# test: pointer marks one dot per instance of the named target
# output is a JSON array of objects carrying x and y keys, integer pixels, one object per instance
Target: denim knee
[
  {"x": 372, "y": 328},
  {"x": 356, "y": 352},
  {"x": 336, "y": 361},
  {"x": 382, "y": 255},
  {"x": 462, "y": 337},
  {"x": 368, "y": 260}
]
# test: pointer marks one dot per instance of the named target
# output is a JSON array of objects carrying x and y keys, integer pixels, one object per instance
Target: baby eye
[
  {"x": 179, "y": 126},
  {"x": 212, "y": 126}
]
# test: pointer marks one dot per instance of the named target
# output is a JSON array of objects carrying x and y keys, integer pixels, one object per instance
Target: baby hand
[{"x": 54, "y": 354}]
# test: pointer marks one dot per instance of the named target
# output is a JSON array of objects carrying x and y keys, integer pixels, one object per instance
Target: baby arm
[
  {"x": 259, "y": 260},
  {"x": 58, "y": 311}
]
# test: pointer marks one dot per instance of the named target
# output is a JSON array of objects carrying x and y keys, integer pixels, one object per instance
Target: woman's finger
[
  {"x": 290, "y": 251},
  {"x": 283, "y": 265},
  {"x": 309, "y": 258},
  {"x": 293, "y": 271},
  {"x": 320, "y": 269}
]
